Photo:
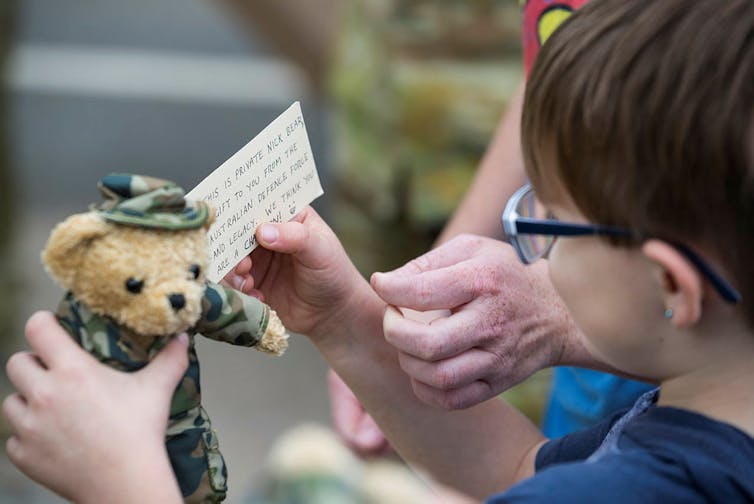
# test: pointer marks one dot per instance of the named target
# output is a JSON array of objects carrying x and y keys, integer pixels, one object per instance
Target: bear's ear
[
  {"x": 68, "y": 243},
  {"x": 212, "y": 216}
]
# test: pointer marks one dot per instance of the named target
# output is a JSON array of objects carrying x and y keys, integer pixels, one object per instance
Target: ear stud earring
[{"x": 668, "y": 313}]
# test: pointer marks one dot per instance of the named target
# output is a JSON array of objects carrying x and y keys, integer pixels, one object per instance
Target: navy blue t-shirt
[{"x": 662, "y": 454}]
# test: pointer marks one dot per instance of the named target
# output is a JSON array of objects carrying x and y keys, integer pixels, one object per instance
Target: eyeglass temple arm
[
  {"x": 557, "y": 228},
  {"x": 726, "y": 291}
]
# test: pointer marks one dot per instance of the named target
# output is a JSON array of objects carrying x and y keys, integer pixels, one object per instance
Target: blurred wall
[{"x": 8, "y": 278}]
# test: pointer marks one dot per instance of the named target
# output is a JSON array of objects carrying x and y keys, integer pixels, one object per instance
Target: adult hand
[
  {"x": 302, "y": 271},
  {"x": 353, "y": 424},
  {"x": 85, "y": 430},
  {"x": 505, "y": 322}
]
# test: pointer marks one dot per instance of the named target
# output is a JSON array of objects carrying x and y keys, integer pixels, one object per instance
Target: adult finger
[
  {"x": 444, "y": 288},
  {"x": 24, "y": 370},
  {"x": 440, "y": 339},
  {"x": 51, "y": 342},
  {"x": 169, "y": 365},
  {"x": 452, "y": 373},
  {"x": 457, "y": 250},
  {"x": 460, "y": 398}
]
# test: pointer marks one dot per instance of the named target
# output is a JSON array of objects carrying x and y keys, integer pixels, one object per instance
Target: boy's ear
[
  {"x": 68, "y": 243},
  {"x": 681, "y": 283}
]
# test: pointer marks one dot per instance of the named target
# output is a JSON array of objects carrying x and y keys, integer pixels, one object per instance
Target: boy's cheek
[
  {"x": 556, "y": 264},
  {"x": 572, "y": 277}
]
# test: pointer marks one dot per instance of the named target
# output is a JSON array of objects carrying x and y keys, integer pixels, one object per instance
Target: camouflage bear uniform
[
  {"x": 226, "y": 315},
  {"x": 191, "y": 442}
]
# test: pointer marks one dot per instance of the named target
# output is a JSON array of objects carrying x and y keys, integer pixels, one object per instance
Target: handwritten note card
[{"x": 271, "y": 179}]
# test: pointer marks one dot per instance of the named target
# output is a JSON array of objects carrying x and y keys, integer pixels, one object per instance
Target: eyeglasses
[{"x": 532, "y": 233}]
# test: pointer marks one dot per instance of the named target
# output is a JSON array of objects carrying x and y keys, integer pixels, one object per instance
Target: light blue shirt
[{"x": 580, "y": 398}]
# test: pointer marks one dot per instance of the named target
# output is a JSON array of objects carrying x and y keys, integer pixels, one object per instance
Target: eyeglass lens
[{"x": 533, "y": 246}]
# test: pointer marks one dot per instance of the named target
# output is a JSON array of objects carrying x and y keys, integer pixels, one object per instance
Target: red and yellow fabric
[{"x": 541, "y": 18}]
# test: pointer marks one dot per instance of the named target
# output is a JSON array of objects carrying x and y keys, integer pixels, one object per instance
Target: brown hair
[{"x": 642, "y": 112}]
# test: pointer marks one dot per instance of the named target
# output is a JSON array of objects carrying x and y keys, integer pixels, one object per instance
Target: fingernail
[
  {"x": 238, "y": 282},
  {"x": 269, "y": 233},
  {"x": 183, "y": 339}
]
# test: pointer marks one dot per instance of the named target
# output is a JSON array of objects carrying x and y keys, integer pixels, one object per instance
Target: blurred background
[{"x": 400, "y": 98}]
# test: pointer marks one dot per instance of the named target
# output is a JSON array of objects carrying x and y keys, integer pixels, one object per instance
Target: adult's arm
[{"x": 499, "y": 174}]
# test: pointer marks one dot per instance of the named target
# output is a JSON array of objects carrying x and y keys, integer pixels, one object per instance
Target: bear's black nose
[{"x": 177, "y": 301}]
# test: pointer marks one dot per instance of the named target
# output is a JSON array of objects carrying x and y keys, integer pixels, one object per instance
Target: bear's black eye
[
  {"x": 134, "y": 286},
  {"x": 195, "y": 270}
]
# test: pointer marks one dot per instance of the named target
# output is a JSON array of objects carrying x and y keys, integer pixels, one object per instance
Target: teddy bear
[{"x": 134, "y": 271}]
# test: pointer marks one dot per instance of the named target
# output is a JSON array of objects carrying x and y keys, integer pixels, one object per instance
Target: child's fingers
[
  {"x": 14, "y": 450},
  {"x": 289, "y": 237},
  {"x": 24, "y": 370},
  {"x": 243, "y": 267},
  {"x": 354, "y": 425},
  {"x": 310, "y": 241},
  {"x": 255, "y": 293},
  {"x": 240, "y": 283},
  {"x": 15, "y": 410},
  {"x": 50, "y": 341},
  {"x": 239, "y": 278}
]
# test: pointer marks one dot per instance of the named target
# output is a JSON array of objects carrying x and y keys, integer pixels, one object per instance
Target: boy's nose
[{"x": 177, "y": 301}]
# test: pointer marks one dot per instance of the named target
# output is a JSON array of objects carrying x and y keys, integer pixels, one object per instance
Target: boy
[{"x": 637, "y": 126}]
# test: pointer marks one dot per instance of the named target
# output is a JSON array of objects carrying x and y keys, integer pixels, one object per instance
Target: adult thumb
[{"x": 169, "y": 365}]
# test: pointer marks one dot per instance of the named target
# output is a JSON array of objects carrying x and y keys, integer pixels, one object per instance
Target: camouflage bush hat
[{"x": 138, "y": 200}]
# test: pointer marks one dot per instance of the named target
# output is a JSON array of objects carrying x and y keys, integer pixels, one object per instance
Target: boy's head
[{"x": 642, "y": 114}]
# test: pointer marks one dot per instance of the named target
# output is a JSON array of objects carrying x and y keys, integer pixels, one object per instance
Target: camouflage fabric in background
[
  {"x": 418, "y": 87},
  {"x": 192, "y": 444}
]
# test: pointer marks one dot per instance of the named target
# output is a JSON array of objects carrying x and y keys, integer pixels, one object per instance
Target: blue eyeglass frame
[{"x": 514, "y": 225}]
